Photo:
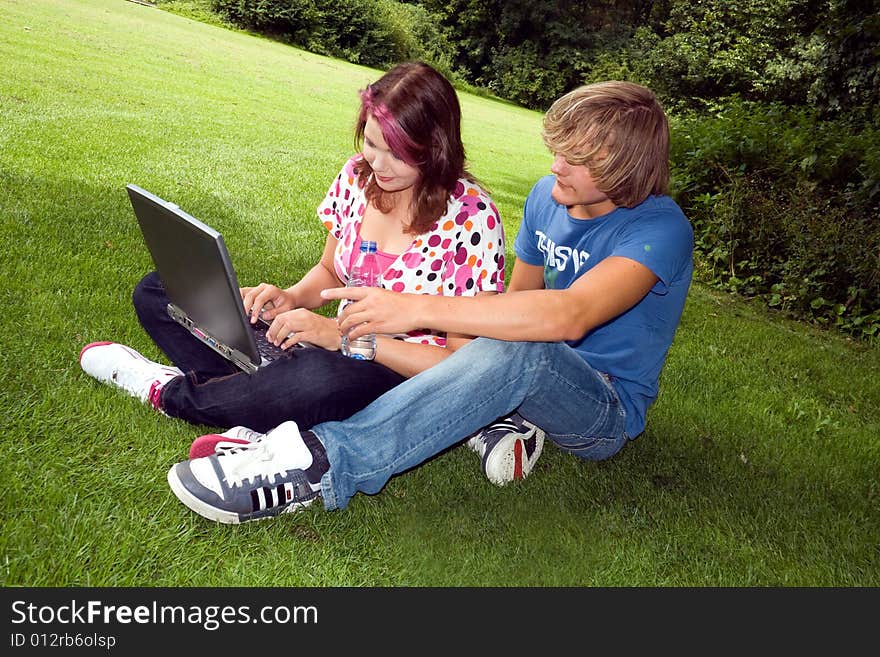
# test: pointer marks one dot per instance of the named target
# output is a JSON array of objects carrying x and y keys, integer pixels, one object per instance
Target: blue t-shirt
[{"x": 632, "y": 347}]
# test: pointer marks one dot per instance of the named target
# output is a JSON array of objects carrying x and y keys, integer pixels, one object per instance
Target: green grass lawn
[{"x": 759, "y": 465}]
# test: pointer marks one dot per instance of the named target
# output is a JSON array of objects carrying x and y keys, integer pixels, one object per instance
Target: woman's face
[{"x": 390, "y": 172}]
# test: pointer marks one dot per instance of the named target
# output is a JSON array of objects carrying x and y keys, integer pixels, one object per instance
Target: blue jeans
[
  {"x": 313, "y": 386},
  {"x": 546, "y": 382}
]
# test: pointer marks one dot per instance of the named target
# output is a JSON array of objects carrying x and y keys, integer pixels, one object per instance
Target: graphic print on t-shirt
[{"x": 558, "y": 257}]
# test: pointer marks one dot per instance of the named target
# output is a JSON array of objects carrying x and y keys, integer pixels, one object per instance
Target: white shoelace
[{"x": 255, "y": 460}]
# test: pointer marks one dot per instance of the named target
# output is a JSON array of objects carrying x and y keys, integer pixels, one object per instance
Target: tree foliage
[
  {"x": 821, "y": 52},
  {"x": 817, "y": 52}
]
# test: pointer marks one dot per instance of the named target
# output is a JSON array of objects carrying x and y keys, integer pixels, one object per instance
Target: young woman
[{"x": 437, "y": 232}]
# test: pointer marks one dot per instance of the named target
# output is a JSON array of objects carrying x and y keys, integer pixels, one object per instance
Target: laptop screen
[{"x": 195, "y": 269}]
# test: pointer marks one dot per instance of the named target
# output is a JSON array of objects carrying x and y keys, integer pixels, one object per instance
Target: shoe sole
[
  {"x": 219, "y": 515},
  {"x": 505, "y": 464}
]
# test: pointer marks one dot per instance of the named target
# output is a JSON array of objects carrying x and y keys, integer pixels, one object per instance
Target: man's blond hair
[{"x": 619, "y": 131}]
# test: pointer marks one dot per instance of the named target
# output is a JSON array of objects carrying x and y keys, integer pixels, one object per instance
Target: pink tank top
[{"x": 385, "y": 259}]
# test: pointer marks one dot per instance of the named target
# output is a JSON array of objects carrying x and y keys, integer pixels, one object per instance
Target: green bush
[
  {"x": 525, "y": 76},
  {"x": 376, "y": 33},
  {"x": 785, "y": 207}
]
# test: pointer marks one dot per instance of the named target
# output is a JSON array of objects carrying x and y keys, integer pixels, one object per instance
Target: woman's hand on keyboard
[
  {"x": 266, "y": 301},
  {"x": 304, "y": 326}
]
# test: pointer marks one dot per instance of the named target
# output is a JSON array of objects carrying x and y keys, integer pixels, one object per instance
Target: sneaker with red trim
[
  {"x": 123, "y": 367},
  {"x": 255, "y": 481},
  {"x": 509, "y": 449},
  {"x": 217, "y": 443}
]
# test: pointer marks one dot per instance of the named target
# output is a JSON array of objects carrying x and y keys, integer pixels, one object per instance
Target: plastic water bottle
[{"x": 364, "y": 273}]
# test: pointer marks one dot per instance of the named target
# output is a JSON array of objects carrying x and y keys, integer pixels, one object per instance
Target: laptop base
[{"x": 241, "y": 360}]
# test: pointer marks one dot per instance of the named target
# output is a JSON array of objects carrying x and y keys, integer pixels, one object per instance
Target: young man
[{"x": 576, "y": 347}]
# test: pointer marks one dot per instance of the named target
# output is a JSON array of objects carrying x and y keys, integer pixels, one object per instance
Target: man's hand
[
  {"x": 374, "y": 310},
  {"x": 266, "y": 301},
  {"x": 301, "y": 325}
]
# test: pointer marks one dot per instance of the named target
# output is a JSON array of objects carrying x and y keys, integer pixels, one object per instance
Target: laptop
[{"x": 195, "y": 268}]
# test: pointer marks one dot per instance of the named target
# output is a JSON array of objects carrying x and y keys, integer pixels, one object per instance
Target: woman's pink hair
[{"x": 418, "y": 112}]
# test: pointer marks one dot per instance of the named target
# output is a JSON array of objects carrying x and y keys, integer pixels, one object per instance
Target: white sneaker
[
  {"x": 509, "y": 449},
  {"x": 125, "y": 368},
  {"x": 254, "y": 481}
]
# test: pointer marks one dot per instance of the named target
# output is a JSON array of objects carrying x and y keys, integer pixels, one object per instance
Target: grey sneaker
[
  {"x": 509, "y": 449},
  {"x": 254, "y": 481}
]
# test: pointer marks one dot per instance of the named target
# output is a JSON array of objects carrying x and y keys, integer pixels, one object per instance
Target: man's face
[{"x": 574, "y": 184}]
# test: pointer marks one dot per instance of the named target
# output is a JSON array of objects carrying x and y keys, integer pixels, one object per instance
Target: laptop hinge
[{"x": 226, "y": 351}]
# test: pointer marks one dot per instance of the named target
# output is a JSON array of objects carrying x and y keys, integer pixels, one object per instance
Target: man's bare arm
[{"x": 610, "y": 288}]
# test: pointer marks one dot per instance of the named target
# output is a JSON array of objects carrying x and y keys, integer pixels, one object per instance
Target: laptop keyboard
[{"x": 268, "y": 351}]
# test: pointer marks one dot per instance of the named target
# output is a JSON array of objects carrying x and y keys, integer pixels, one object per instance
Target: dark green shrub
[
  {"x": 532, "y": 79},
  {"x": 377, "y": 33},
  {"x": 292, "y": 20},
  {"x": 785, "y": 206}
]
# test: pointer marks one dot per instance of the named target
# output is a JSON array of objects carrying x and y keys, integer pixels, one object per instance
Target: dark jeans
[{"x": 313, "y": 386}]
